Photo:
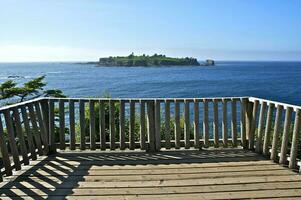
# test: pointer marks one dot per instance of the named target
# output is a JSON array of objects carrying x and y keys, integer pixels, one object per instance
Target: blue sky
[{"x": 72, "y": 30}]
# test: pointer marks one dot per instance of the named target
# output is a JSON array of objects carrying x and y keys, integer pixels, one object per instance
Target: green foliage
[
  {"x": 7, "y": 89},
  {"x": 54, "y": 93},
  {"x": 146, "y": 60},
  {"x": 116, "y": 119},
  {"x": 29, "y": 90}
]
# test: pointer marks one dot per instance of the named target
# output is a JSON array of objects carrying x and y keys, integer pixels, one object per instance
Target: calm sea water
[{"x": 279, "y": 81}]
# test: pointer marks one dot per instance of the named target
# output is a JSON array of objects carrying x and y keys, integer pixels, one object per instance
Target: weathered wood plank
[
  {"x": 42, "y": 128},
  {"x": 142, "y": 126},
  {"x": 72, "y": 124},
  {"x": 4, "y": 151},
  {"x": 51, "y": 127},
  {"x": 258, "y": 147},
  {"x": 82, "y": 123},
  {"x": 20, "y": 135},
  {"x": 177, "y": 127},
  {"x": 98, "y": 171},
  {"x": 186, "y": 125},
  {"x": 12, "y": 140},
  {"x": 215, "y": 123},
  {"x": 151, "y": 125},
  {"x": 167, "y": 125},
  {"x": 92, "y": 125},
  {"x": 102, "y": 121},
  {"x": 132, "y": 126},
  {"x": 253, "y": 125},
  {"x": 249, "y": 114},
  {"x": 283, "y": 194},
  {"x": 64, "y": 169},
  {"x": 122, "y": 124},
  {"x": 295, "y": 140},
  {"x": 112, "y": 124},
  {"x": 62, "y": 124},
  {"x": 36, "y": 132},
  {"x": 45, "y": 114},
  {"x": 267, "y": 134},
  {"x": 158, "y": 125},
  {"x": 152, "y": 177},
  {"x": 225, "y": 123},
  {"x": 196, "y": 127},
  {"x": 243, "y": 108},
  {"x": 205, "y": 124},
  {"x": 83, "y": 163},
  {"x": 29, "y": 136},
  {"x": 276, "y": 132},
  {"x": 234, "y": 122},
  {"x": 170, "y": 183},
  {"x": 286, "y": 129},
  {"x": 192, "y": 189}
]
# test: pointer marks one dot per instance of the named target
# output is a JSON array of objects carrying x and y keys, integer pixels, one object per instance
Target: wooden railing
[
  {"x": 41, "y": 126},
  {"x": 23, "y": 134}
]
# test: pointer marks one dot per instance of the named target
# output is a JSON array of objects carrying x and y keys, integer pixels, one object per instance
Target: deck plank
[{"x": 206, "y": 174}]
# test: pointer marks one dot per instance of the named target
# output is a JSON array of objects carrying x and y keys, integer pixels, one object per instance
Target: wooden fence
[{"x": 41, "y": 126}]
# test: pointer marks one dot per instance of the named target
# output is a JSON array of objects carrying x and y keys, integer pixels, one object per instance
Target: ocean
[{"x": 279, "y": 81}]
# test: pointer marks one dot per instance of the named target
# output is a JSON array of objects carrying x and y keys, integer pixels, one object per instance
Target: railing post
[
  {"x": 132, "y": 126},
  {"x": 295, "y": 140},
  {"x": 286, "y": 129},
  {"x": 102, "y": 130},
  {"x": 12, "y": 140},
  {"x": 92, "y": 125},
  {"x": 142, "y": 125},
  {"x": 234, "y": 122},
  {"x": 258, "y": 148},
  {"x": 121, "y": 125},
  {"x": 177, "y": 128},
  {"x": 20, "y": 135},
  {"x": 243, "y": 113},
  {"x": 205, "y": 124},
  {"x": 186, "y": 124},
  {"x": 249, "y": 119},
  {"x": 62, "y": 124},
  {"x": 276, "y": 132},
  {"x": 224, "y": 123},
  {"x": 36, "y": 132},
  {"x": 151, "y": 125},
  {"x": 72, "y": 124},
  {"x": 45, "y": 113},
  {"x": 253, "y": 125},
  {"x": 112, "y": 124},
  {"x": 42, "y": 128},
  {"x": 215, "y": 123},
  {"x": 157, "y": 125},
  {"x": 267, "y": 134},
  {"x": 4, "y": 151},
  {"x": 52, "y": 148},
  {"x": 196, "y": 127},
  {"x": 82, "y": 122},
  {"x": 167, "y": 125}
]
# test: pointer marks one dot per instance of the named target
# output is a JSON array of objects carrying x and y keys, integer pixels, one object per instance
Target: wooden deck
[{"x": 183, "y": 174}]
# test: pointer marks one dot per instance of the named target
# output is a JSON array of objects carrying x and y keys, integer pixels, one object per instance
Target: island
[{"x": 147, "y": 60}]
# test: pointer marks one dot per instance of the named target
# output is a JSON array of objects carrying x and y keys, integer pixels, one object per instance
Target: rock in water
[{"x": 209, "y": 62}]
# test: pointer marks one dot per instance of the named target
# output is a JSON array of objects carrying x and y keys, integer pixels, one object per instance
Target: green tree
[{"x": 12, "y": 92}]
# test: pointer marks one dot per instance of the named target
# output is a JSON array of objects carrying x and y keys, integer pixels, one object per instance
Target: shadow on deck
[{"x": 183, "y": 174}]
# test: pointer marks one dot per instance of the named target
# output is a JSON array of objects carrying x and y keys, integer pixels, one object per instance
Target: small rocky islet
[{"x": 147, "y": 60}]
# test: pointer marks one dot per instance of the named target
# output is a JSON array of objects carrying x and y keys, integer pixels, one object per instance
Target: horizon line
[{"x": 79, "y": 61}]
